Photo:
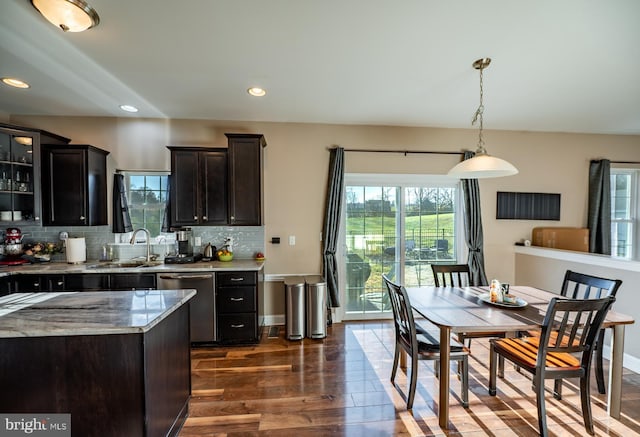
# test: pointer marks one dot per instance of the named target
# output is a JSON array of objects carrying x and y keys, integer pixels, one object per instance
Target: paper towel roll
[{"x": 76, "y": 250}]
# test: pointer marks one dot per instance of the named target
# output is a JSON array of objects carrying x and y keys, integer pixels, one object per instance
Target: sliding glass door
[{"x": 396, "y": 225}]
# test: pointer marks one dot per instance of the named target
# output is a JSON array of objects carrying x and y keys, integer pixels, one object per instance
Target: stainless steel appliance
[
  {"x": 184, "y": 237},
  {"x": 202, "y": 307}
]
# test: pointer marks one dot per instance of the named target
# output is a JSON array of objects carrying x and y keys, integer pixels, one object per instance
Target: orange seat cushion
[{"x": 524, "y": 352}]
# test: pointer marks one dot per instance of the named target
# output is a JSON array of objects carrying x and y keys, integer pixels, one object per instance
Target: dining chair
[
  {"x": 564, "y": 349},
  {"x": 581, "y": 286},
  {"x": 420, "y": 343},
  {"x": 458, "y": 275}
]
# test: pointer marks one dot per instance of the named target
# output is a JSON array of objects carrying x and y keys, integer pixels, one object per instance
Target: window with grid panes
[
  {"x": 624, "y": 188},
  {"x": 147, "y": 194}
]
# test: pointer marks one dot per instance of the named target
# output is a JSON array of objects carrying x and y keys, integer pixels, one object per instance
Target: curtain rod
[
  {"x": 625, "y": 162},
  {"x": 405, "y": 152}
]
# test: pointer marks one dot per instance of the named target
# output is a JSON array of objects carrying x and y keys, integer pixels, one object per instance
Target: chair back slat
[
  {"x": 580, "y": 286},
  {"x": 571, "y": 326},
  {"x": 458, "y": 275}
]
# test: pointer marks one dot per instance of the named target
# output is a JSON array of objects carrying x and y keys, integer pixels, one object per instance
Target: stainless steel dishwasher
[{"x": 202, "y": 307}]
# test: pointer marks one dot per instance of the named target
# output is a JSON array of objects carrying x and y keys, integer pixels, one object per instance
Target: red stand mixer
[{"x": 13, "y": 248}]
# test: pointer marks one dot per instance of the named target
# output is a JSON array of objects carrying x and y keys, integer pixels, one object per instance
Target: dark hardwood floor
[{"x": 340, "y": 386}]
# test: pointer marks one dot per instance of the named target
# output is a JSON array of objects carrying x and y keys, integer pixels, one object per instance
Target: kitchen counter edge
[
  {"x": 98, "y": 267},
  {"x": 87, "y": 313}
]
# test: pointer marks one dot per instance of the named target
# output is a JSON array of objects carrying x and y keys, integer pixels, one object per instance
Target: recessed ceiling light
[
  {"x": 256, "y": 91},
  {"x": 16, "y": 83},
  {"x": 128, "y": 108}
]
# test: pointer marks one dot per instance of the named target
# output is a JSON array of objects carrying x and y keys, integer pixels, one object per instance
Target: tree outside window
[{"x": 147, "y": 195}]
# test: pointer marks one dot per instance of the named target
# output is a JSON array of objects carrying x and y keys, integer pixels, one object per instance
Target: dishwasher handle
[{"x": 179, "y": 277}]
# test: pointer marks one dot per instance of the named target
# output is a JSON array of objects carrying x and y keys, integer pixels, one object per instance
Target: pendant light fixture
[
  {"x": 482, "y": 165},
  {"x": 68, "y": 15}
]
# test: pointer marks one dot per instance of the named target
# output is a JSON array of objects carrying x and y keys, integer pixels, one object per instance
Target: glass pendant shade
[
  {"x": 68, "y": 15},
  {"x": 483, "y": 166}
]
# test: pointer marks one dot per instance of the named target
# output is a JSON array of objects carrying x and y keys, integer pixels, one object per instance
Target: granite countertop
[
  {"x": 87, "y": 313},
  {"x": 100, "y": 267}
]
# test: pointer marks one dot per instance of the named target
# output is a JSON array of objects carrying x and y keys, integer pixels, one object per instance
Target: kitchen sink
[{"x": 125, "y": 264}]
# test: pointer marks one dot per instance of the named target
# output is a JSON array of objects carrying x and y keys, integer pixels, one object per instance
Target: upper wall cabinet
[
  {"x": 198, "y": 186},
  {"x": 218, "y": 186},
  {"x": 20, "y": 201},
  {"x": 245, "y": 179},
  {"x": 74, "y": 181}
]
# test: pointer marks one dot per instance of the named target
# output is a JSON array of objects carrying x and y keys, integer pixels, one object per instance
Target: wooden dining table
[{"x": 454, "y": 310}]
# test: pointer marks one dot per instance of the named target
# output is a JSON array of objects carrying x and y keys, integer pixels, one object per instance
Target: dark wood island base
[{"x": 120, "y": 384}]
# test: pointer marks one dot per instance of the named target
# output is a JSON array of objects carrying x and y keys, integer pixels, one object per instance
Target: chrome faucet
[{"x": 133, "y": 240}]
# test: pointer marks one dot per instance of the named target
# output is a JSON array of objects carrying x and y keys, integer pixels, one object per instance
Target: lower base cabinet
[{"x": 237, "y": 307}]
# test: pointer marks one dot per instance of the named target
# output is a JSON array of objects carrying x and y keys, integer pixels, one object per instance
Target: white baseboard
[
  {"x": 628, "y": 361},
  {"x": 273, "y": 319}
]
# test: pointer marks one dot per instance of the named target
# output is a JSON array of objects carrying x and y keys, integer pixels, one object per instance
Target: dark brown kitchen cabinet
[
  {"x": 20, "y": 201},
  {"x": 237, "y": 306},
  {"x": 28, "y": 284},
  {"x": 245, "y": 179},
  {"x": 35, "y": 283},
  {"x": 74, "y": 181},
  {"x": 198, "y": 186},
  {"x": 218, "y": 186},
  {"x": 5, "y": 285},
  {"x": 88, "y": 282},
  {"x": 133, "y": 281}
]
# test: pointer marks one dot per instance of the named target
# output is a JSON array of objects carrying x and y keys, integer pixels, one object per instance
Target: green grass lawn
[{"x": 380, "y": 225}]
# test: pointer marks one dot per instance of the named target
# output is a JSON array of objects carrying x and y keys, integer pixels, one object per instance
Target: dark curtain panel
[
  {"x": 473, "y": 228},
  {"x": 332, "y": 223},
  {"x": 599, "y": 220},
  {"x": 121, "y": 218},
  {"x": 166, "y": 218}
]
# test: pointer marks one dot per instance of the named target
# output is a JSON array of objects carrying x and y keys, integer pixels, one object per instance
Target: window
[
  {"x": 147, "y": 194},
  {"x": 397, "y": 225},
  {"x": 624, "y": 213}
]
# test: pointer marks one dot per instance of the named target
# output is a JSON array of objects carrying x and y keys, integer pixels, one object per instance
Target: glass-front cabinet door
[{"x": 19, "y": 177}]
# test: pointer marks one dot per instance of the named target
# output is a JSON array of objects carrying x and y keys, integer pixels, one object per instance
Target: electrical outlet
[
  {"x": 292, "y": 240},
  {"x": 198, "y": 241}
]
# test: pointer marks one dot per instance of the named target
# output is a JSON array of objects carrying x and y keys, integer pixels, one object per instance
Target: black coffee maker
[
  {"x": 184, "y": 255},
  {"x": 184, "y": 239}
]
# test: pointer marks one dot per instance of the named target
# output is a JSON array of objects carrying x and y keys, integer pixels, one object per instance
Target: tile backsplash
[{"x": 247, "y": 240}]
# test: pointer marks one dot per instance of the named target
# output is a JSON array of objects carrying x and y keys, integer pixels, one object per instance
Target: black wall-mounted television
[{"x": 528, "y": 206}]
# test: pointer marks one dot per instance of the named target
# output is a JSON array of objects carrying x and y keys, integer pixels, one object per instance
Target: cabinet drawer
[
  {"x": 238, "y": 328},
  {"x": 54, "y": 282},
  {"x": 87, "y": 282},
  {"x": 133, "y": 281},
  {"x": 236, "y": 299},
  {"x": 28, "y": 284},
  {"x": 236, "y": 278}
]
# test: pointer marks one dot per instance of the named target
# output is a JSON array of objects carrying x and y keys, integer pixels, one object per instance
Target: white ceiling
[{"x": 563, "y": 66}]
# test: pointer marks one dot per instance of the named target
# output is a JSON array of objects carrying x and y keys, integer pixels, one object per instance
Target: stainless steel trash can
[
  {"x": 316, "y": 306},
  {"x": 294, "y": 291}
]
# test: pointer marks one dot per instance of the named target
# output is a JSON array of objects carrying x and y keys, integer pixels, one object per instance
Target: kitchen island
[{"x": 118, "y": 362}]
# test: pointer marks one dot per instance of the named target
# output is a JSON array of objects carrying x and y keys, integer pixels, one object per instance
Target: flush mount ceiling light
[
  {"x": 16, "y": 83},
  {"x": 257, "y": 91},
  {"x": 482, "y": 165},
  {"x": 129, "y": 108},
  {"x": 25, "y": 141},
  {"x": 68, "y": 15}
]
